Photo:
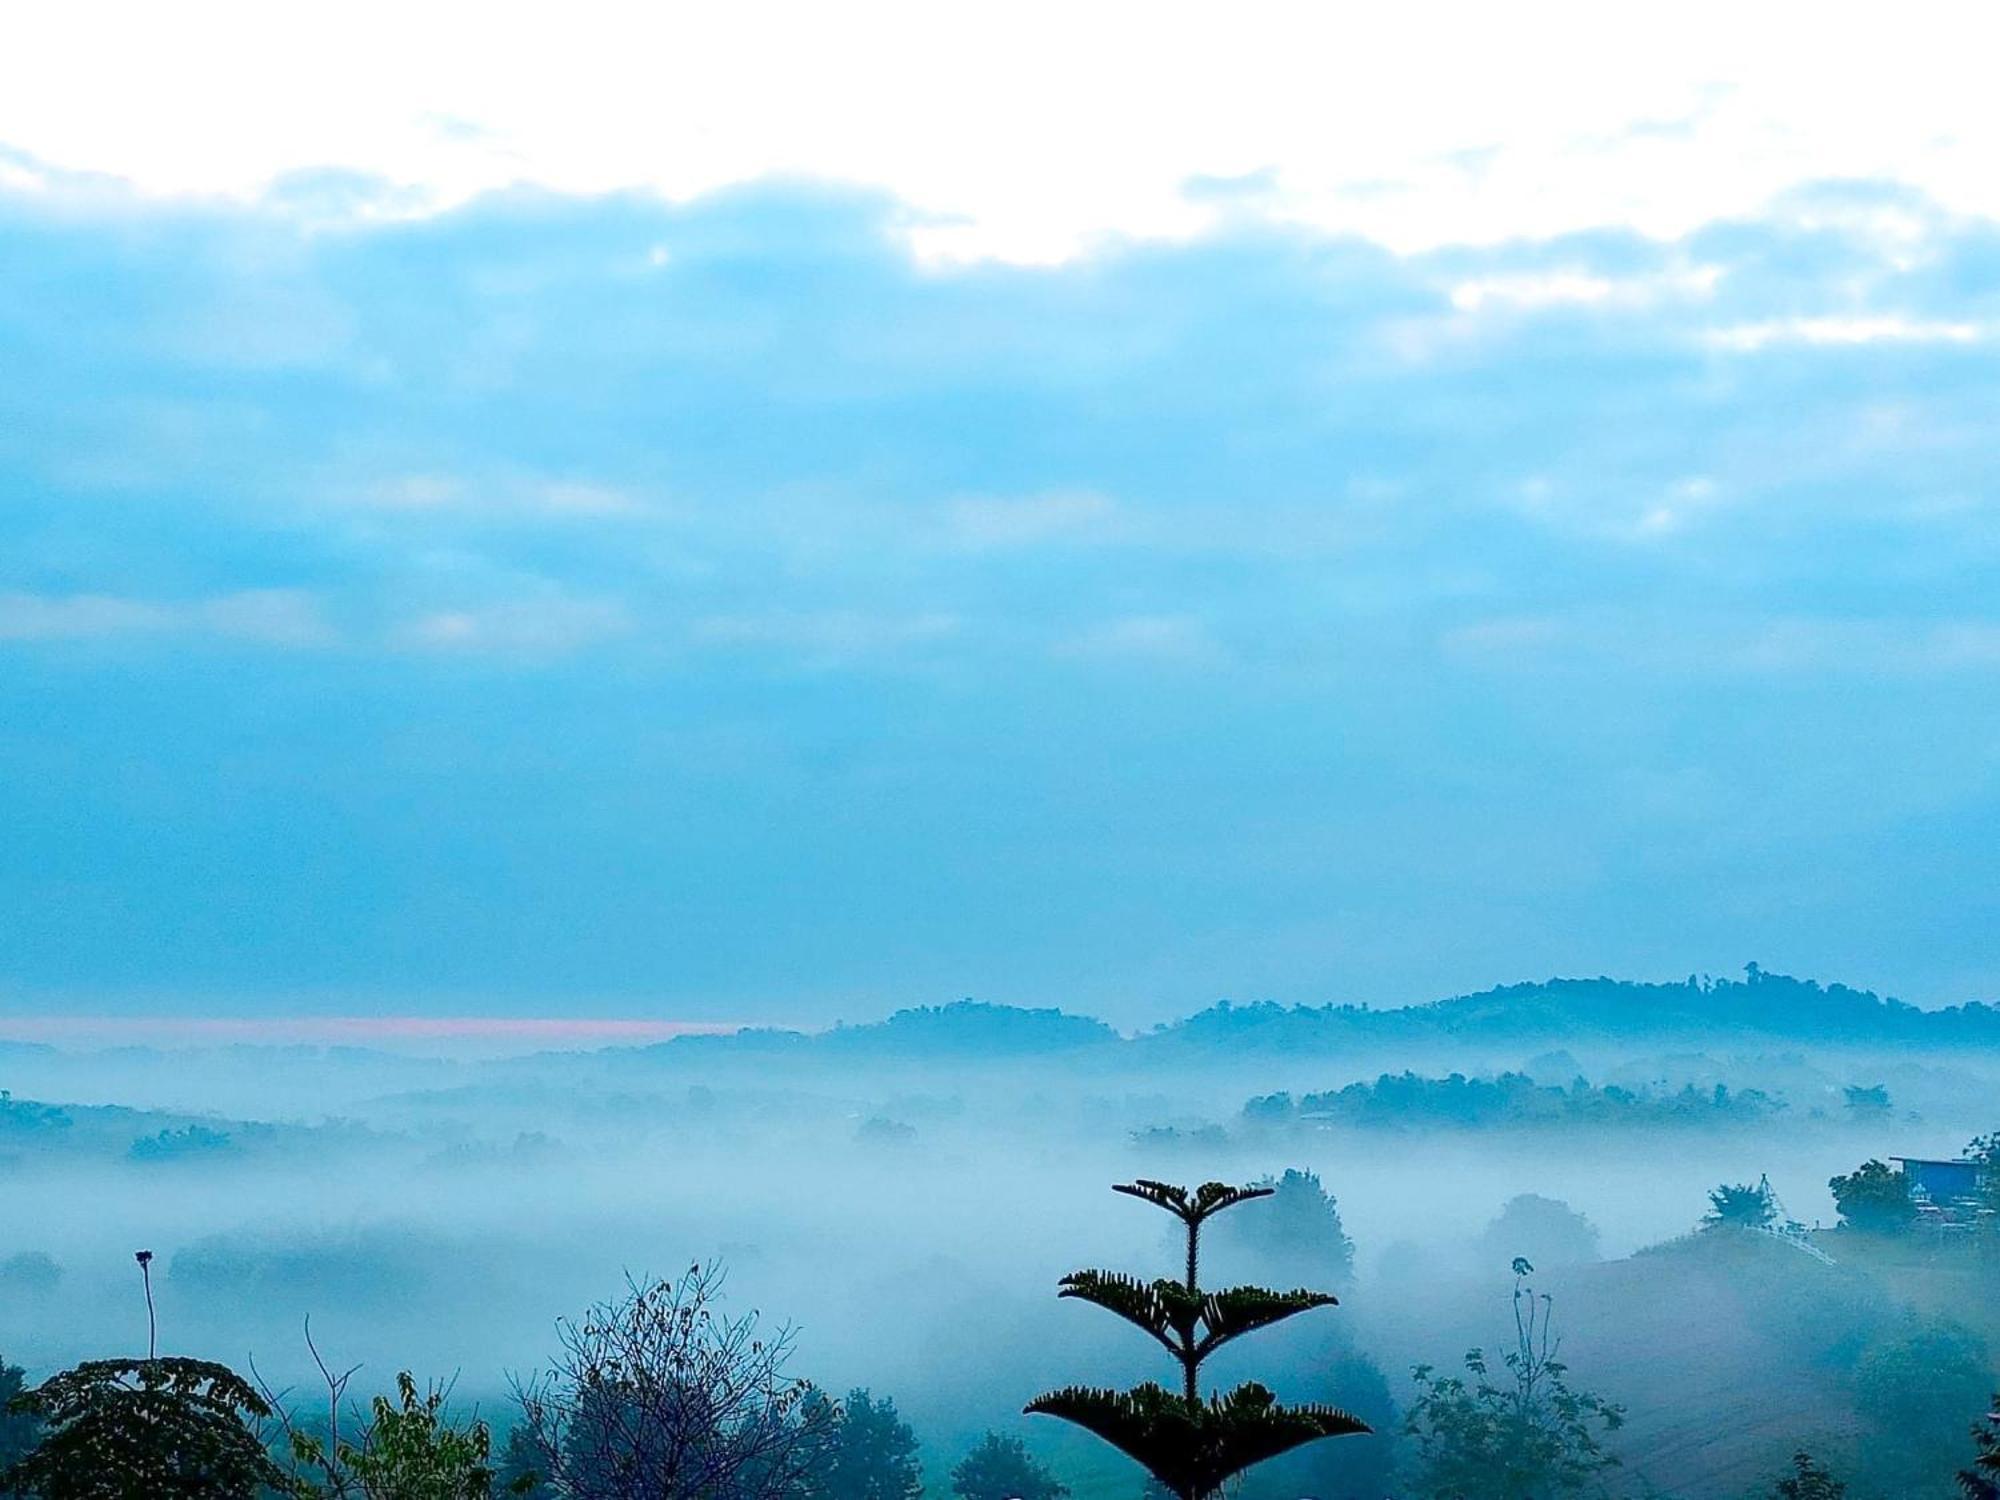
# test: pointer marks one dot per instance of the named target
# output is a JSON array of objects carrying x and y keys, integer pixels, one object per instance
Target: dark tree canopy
[
  {"x": 168, "y": 1429},
  {"x": 1001, "y": 1468},
  {"x": 1740, "y": 1205},
  {"x": 1874, "y": 1198},
  {"x": 867, "y": 1452}
]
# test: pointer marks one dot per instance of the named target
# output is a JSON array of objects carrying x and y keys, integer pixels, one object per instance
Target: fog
[{"x": 906, "y": 1209}]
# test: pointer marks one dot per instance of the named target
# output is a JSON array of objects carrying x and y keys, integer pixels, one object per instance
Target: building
[{"x": 1937, "y": 1181}]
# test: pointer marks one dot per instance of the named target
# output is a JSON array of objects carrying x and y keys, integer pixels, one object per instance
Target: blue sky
[{"x": 562, "y": 601}]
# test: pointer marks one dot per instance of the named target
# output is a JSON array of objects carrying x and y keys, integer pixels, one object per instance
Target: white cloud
[
  {"x": 526, "y": 627},
  {"x": 272, "y": 617},
  {"x": 1848, "y": 329},
  {"x": 1535, "y": 119},
  {"x": 834, "y": 635},
  {"x": 507, "y": 495},
  {"x": 978, "y": 525},
  {"x": 1179, "y": 640}
]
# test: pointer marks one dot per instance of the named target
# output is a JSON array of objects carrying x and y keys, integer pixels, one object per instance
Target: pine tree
[
  {"x": 1189, "y": 1445},
  {"x": 1982, "y": 1480}
]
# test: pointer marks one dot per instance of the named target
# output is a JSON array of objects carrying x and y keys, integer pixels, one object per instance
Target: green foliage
[
  {"x": 1189, "y": 1445},
  {"x": 1874, "y": 1198},
  {"x": 408, "y": 1451},
  {"x": 1527, "y": 1435},
  {"x": 867, "y": 1452},
  {"x": 1911, "y": 1392},
  {"x": 1982, "y": 1480},
  {"x": 1001, "y": 1468},
  {"x": 1809, "y": 1480},
  {"x": 1738, "y": 1205},
  {"x": 167, "y": 1429}
]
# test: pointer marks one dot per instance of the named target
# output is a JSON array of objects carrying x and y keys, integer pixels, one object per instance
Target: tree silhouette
[{"x": 1189, "y": 1445}]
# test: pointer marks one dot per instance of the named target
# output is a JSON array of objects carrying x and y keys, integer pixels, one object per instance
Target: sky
[{"x": 750, "y": 514}]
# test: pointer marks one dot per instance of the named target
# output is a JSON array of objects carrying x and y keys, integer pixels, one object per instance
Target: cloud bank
[{"x": 608, "y": 603}]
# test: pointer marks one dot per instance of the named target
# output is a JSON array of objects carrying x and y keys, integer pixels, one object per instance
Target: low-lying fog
[{"x": 910, "y": 1215}]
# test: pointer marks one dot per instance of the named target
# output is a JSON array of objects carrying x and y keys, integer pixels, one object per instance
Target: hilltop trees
[
  {"x": 1000, "y": 1468},
  {"x": 1191, "y": 1446},
  {"x": 1874, "y": 1198},
  {"x": 1527, "y": 1435},
  {"x": 1738, "y": 1205}
]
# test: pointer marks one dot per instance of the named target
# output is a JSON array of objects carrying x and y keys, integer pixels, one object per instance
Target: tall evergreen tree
[{"x": 1192, "y": 1446}]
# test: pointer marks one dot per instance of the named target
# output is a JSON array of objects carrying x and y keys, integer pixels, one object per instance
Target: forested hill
[{"x": 1760, "y": 1005}]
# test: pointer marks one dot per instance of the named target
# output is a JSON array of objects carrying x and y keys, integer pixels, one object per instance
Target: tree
[
  {"x": 1546, "y": 1230},
  {"x": 1809, "y": 1480},
  {"x": 1874, "y": 1198},
  {"x": 1000, "y": 1468},
  {"x": 408, "y": 1450},
  {"x": 520, "y": 1470},
  {"x": 867, "y": 1452},
  {"x": 1911, "y": 1392},
  {"x": 162, "y": 1428},
  {"x": 1191, "y": 1446},
  {"x": 1982, "y": 1480},
  {"x": 1740, "y": 1206},
  {"x": 20, "y": 1429},
  {"x": 1527, "y": 1435},
  {"x": 1985, "y": 1149},
  {"x": 1293, "y": 1234},
  {"x": 659, "y": 1396}
]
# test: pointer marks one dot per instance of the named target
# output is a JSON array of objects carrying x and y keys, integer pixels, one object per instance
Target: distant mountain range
[{"x": 1761, "y": 1005}]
